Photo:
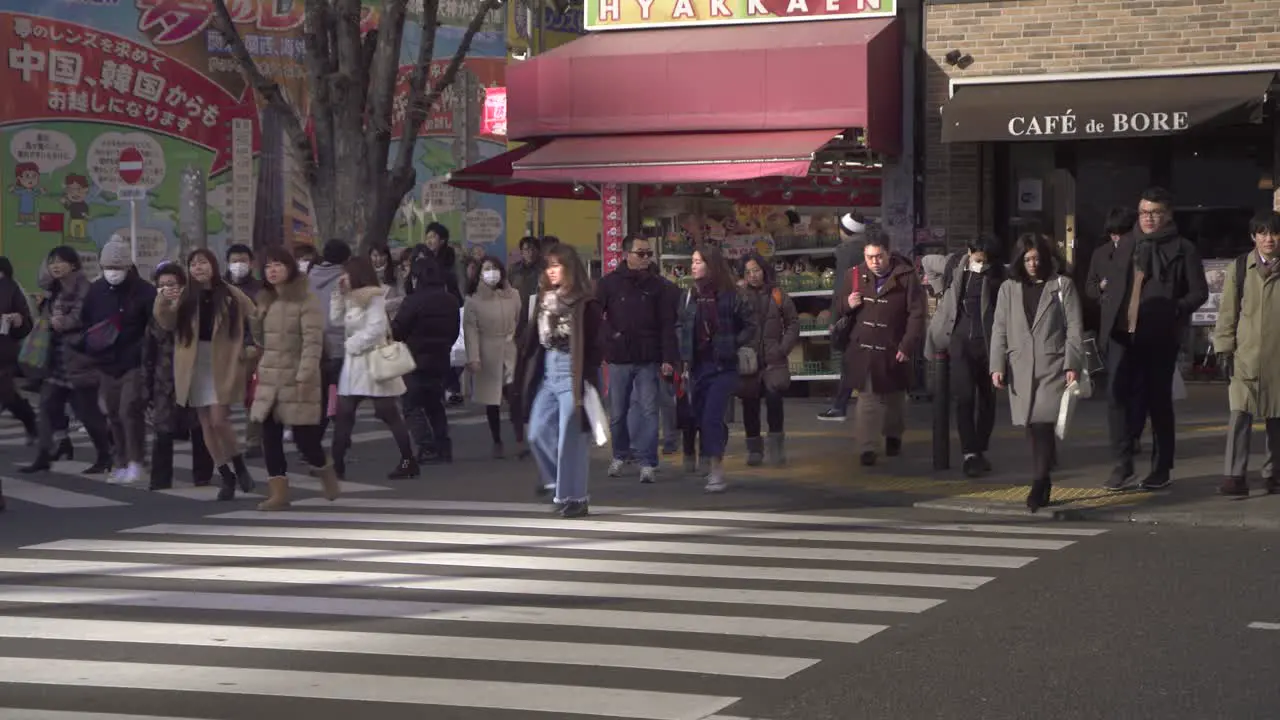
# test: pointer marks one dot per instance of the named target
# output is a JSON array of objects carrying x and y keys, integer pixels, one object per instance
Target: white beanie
[{"x": 852, "y": 225}]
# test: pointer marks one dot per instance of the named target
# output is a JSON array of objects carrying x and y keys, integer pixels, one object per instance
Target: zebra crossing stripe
[
  {"x": 695, "y": 548},
  {"x": 883, "y": 603},
  {"x": 446, "y": 692},
  {"x": 742, "y": 626},
  {"x": 54, "y": 497},
  {"x": 630, "y": 657},
  {"x": 28, "y": 714}
]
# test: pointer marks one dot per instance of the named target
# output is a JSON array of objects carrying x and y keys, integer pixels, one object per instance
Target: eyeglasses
[{"x": 642, "y": 253}]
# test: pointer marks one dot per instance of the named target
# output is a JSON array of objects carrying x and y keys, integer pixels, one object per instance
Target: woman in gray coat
[{"x": 1036, "y": 350}]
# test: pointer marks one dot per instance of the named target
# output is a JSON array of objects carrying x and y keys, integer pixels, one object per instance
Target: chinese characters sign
[
  {"x": 613, "y": 213},
  {"x": 55, "y": 70},
  {"x": 624, "y": 14}
]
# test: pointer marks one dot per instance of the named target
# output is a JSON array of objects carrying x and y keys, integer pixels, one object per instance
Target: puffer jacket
[{"x": 289, "y": 327}]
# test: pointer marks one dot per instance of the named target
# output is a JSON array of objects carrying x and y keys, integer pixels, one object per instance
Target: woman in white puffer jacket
[{"x": 359, "y": 306}]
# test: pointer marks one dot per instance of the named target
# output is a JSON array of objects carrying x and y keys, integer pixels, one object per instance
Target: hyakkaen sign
[{"x": 1068, "y": 124}]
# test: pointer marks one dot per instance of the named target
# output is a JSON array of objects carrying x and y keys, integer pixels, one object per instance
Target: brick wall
[{"x": 1013, "y": 37}]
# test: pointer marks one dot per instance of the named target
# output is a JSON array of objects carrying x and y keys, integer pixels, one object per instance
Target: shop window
[{"x": 1219, "y": 181}]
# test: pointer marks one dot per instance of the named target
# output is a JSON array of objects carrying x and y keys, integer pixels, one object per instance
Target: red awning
[
  {"x": 788, "y": 76},
  {"x": 674, "y": 158},
  {"x": 495, "y": 176}
]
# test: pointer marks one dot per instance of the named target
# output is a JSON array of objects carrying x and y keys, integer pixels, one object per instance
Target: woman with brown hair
[
  {"x": 559, "y": 360},
  {"x": 289, "y": 326},
  {"x": 489, "y": 321},
  {"x": 210, "y": 322},
  {"x": 359, "y": 306},
  {"x": 716, "y": 322}
]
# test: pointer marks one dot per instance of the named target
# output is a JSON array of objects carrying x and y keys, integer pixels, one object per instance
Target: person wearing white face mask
[
  {"x": 489, "y": 321},
  {"x": 115, "y": 317},
  {"x": 961, "y": 330}
]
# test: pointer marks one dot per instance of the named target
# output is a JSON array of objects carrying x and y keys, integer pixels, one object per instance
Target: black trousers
[
  {"x": 1141, "y": 387},
  {"x": 772, "y": 408},
  {"x": 425, "y": 393},
  {"x": 305, "y": 437},
  {"x": 973, "y": 394},
  {"x": 84, "y": 402},
  {"x": 1043, "y": 448},
  {"x": 493, "y": 414}
]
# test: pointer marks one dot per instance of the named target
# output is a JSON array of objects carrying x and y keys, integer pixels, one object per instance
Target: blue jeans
[
  {"x": 712, "y": 390},
  {"x": 556, "y": 438},
  {"x": 634, "y": 386}
]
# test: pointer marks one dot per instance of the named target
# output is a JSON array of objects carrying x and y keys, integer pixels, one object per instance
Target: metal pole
[
  {"x": 941, "y": 369},
  {"x": 133, "y": 231}
]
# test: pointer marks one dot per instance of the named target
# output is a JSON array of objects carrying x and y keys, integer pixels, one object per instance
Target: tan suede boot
[
  {"x": 278, "y": 494},
  {"x": 329, "y": 481}
]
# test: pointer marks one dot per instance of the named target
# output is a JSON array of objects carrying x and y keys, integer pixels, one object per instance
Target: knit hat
[{"x": 115, "y": 253}]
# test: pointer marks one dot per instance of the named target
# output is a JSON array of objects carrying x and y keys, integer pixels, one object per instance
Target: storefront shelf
[
  {"x": 828, "y": 377},
  {"x": 806, "y": 331},
  {"x": 812, "y": 293}
]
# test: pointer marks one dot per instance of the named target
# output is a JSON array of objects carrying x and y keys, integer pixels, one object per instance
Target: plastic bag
[
  {"x": 596, "y": 414},
  {"x": 1070, "y": 399},
  {"x": 458, "y": 353}
]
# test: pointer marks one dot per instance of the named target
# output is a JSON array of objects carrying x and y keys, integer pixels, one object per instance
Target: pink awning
[
  {"x": 674, "y": 158},
  {"x": 495, "y": 176}
]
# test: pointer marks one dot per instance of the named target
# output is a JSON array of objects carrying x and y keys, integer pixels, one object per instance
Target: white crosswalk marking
[{"x": 270, "y": 609}]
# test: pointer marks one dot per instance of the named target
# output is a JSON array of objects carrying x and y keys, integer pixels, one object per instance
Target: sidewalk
[{"x": 822, "y": 456}]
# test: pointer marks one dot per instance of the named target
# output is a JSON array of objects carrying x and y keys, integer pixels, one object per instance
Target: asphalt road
[{"x": 456, "y": 596}]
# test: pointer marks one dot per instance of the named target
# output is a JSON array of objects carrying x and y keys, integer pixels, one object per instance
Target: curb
[{"x": 1220, "y": 519}]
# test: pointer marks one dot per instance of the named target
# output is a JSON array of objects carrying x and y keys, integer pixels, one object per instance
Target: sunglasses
[{"x": 643, "y": 253}]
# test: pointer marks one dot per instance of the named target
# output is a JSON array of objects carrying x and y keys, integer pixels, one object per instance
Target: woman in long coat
[
  {"x": 779, "y": 332},
  {"x": 289, "y": 327},
  {"x": 489, "y": 321},
  {"x": 1036, "y": 350}
]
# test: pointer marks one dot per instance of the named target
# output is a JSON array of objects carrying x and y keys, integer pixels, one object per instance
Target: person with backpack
[
  {"x": 778, "y": 335},
  {"x": 961, "y": 330},
  {"x": 1167, "y": 286},
  {"x": 1250, "y": 294}
]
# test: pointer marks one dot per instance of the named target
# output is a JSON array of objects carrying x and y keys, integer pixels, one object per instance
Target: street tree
[{"x": 352, "y": 78}]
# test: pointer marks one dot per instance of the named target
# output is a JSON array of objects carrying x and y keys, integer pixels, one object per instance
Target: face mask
[
  {"x": 491, "y": 277},
  {"x": 239, "y": 270},
  {"x": 115, "y": 277},
  {"x": 977, "y": 267},
  {"x": 304, "y": 266}
]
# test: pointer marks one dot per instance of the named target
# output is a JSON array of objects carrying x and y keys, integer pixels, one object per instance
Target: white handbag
[{"x": 390, "y": 361}]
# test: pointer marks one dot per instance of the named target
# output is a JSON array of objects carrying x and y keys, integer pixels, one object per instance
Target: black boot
[
  {"x": 406, "y": 470},
  {"x": 227, "y": 491},
  {"x": 162, "y": 462},
  {"x": 443, "y": 452},
  {"x": 755, "y": 451},
  {"x": 43, "y": 462},
  {"x": 101, "y": 466},
  {"x": 243, "y": 478}
]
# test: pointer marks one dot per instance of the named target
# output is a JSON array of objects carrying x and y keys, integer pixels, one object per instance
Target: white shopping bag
[
  {"x": 596, "y": 414},
  {"x": 1067, "y": 408},
  {"x": 1179, "y": 387},
  {"x": 458, "y": 353}
]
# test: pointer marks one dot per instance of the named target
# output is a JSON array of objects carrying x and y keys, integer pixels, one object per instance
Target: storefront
[
  {"x": 1045, "y": 115},
  {"x": 754, "y": 133}
]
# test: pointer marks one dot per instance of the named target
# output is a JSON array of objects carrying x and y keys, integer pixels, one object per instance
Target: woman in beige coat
[
  {"x": 210, "y": 322},
  {"x": 489, "y": 321},
  {"x": 289, "y": 326}
]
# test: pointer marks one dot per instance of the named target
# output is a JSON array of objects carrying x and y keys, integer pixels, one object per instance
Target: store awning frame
[
  {"x": 496, "y": 177},
  {"x": 1102, "y": 108}
]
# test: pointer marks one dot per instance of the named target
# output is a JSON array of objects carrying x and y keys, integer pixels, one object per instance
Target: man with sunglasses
[{"x": 640, "y": 349}]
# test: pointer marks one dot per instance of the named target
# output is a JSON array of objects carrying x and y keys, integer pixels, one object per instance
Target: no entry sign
[{"x": 130, "y": 166}]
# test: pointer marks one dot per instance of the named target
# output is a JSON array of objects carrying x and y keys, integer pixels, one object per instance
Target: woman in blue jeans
[
  {"x": 715, "y": 321},
  {"x": 560, "y": 358}
]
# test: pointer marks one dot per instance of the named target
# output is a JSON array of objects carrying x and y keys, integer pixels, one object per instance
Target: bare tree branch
[
  {"x": 384, "y": 79},
  {"x": 266, "y": 88}
]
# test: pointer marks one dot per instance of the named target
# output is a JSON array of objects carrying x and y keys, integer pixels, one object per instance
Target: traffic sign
[
  {"x": 132, "y": 192},
  {"x": 130, "y": 165}
]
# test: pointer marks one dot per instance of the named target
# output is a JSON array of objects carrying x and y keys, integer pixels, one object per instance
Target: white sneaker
[
  {"x": 715, "y": 485},
  {"x": 288, "y": 435},
  {"x": 615, "y": 468},
  {"x": 127, "y": 475},
  {"x": 648, "y": 475},
  {"x": 116, "y": 476}
]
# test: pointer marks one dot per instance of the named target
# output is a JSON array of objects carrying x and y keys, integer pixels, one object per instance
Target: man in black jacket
[
  {"x": 640, "y": 345},
  {"x": 1166, "y": 286},
  {"x": 1108, "y": 283},
  {"x": 115, "y": 317},
  {"x": 427, "y": 323}
]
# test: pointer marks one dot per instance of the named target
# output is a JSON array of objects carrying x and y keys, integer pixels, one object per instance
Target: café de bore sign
[{"x": 1116, "y": 124}]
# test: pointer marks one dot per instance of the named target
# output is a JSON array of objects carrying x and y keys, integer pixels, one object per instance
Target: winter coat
[
  {"x": 68, "y": 366},
  {"x": 848, "y": 255},
  {"x": 524, "y": 278},
  {"x": 489, "y": 321},
  {"x": 586, "y": 355},
  {"x": 323, "y": 281},
  {"x": 1168, "y": 287},
  {"x": 640, "y": 316},
  {"x": 1112, "y": 263},
  {"x": 779, "y": 332},
  {"x": 362, "y": 314},
  {"x": 735, "y": 328},
  {"x": 289, "y": 327},
  {"x": 888, "y": 322},
  {"x": 1255, "y": 384},
  {"x": 1035, "y": 359},
  {"x": 158, "y": 385},
  {"x": 129, "y": 306},
  {"x": 943, "y": 323},
  {"x": 13, "y": 300},
  {"x": 230, "y": 356},
  {"x": 428, "y": 321}
]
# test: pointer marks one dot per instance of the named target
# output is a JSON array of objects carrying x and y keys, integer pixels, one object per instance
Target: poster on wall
[{"x": 1215, "y": 275}]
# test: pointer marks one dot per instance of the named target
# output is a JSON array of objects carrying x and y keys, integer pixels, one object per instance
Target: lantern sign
[{"x": 494, "y": 120}]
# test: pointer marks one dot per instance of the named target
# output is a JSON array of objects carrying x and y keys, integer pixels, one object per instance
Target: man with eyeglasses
[
  {"x": 640, "y": 346},
  {"x": 1166, "y": 285}
]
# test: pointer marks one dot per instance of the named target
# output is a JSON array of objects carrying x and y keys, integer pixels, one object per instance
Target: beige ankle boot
[
  {"x": 278, "y": 497},
  {"x": 329, "y": 481}
]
